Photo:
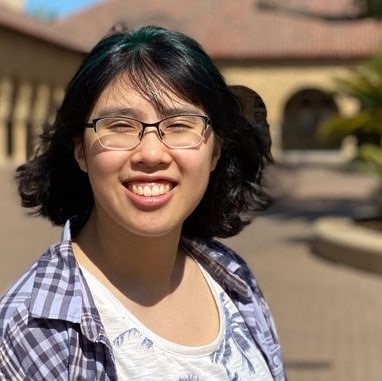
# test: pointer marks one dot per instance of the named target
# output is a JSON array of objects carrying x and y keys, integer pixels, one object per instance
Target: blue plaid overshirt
[{"x": 50, "y": 328}]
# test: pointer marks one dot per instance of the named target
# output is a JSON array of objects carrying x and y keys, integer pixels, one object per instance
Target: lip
[{"x": 151, "y": 201}]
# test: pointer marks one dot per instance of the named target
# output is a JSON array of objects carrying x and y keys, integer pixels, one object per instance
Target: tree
[
  {"x": 369, "y": 8},
  {"x": 364, "y": 84}
]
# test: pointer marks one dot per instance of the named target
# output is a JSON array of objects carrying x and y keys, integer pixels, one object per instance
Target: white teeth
[
  {"x": 149, "y": 190},
  {"x": 155, "y": 190},
  {"x": 138, "y": 189},
  {"x": 146, "y": 191}
]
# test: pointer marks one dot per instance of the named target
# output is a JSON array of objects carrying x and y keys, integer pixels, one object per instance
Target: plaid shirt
[{"x": 50, "y": 328}]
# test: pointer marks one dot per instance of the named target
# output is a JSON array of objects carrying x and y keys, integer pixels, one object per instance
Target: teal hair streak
[{"x": 130, "y": 40}]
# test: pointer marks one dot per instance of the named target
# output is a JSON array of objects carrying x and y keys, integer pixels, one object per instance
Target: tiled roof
[
  {"x": 238, "y": 29},
  {"x": 20, "y": 23}
]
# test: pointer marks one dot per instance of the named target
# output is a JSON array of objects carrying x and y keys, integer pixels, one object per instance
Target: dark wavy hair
[{"x": 52, "y": 184}]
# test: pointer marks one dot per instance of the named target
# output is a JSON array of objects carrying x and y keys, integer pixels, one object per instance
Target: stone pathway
[{"x": 328, "y": 315}]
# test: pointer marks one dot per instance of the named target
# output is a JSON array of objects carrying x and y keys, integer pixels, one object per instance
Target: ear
[
  {"x": 79, "y": 154},
  {"x": 216, "y": 153}
]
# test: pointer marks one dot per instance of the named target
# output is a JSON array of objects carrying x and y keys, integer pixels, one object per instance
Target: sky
[{"x": 60, "y": 8}]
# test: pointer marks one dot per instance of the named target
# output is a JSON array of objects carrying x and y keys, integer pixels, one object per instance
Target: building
[
  {"x": 291, "y": 56},
  {"x": 17, "y": 5},
  {"x": 36, "y": 63}
]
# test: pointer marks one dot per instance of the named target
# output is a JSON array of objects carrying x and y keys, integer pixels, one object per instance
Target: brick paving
[{"x": 328, "y": 315}]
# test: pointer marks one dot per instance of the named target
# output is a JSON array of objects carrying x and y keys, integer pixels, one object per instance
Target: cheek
[
  {"x": 196, "y": 168},
  {"x": 105, "y": 166}
]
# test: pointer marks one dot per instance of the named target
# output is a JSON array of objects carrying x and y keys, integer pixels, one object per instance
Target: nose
[{"x": 151, "y": 151}]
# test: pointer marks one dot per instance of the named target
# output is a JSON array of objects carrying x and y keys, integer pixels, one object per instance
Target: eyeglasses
[{"x": 120, "y": 133}]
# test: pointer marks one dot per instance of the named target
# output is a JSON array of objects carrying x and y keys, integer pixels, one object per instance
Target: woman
[{"x": 149, "y": 159}]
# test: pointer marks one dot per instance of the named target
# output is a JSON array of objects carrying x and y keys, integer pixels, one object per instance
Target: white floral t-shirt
[{"x": 140, "y": 354}]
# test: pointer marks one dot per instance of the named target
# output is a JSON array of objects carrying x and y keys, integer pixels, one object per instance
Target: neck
[{"x": 144, "y": 268}]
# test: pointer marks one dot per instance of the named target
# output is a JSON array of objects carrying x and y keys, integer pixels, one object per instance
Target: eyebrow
[
  {"x": 134, "y": 113},
  {"x": 180, "y": 110},
  {"x": 118, "y": 111}
]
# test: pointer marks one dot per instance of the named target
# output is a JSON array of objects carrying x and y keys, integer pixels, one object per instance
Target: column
[
  {"x": 39, "y": 115},
  {"x": 6, "y": 92},
  {"x": 20, "y": 120}
]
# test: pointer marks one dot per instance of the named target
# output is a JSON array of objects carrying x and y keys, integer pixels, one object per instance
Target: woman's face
[{"x": 173, "y": 181}]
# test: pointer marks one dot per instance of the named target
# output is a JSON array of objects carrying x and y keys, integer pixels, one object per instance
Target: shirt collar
[
  {"x": 59, "y": 293},
  {"x": 220, "y": 260},
  {"x": 57, "y": 290}
]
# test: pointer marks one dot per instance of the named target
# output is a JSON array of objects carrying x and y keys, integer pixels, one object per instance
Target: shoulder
[
  {"x": 225, "y": 265},
  {"x": 225, "y": 251},
  {"x": 17, "y": 298},
  {"x": 29, "y": 345},
  {"x": 17, "y": 301},
  {"x": 33, "y": 337}
]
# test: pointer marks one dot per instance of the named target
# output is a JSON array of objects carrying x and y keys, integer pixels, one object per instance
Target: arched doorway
[{"x": 303, "y": 113}]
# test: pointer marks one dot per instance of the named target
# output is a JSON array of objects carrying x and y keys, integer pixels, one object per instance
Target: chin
[{"x": 151, "y": 231}]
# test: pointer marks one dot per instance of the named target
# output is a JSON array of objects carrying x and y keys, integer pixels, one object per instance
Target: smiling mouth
[{"x": 150, "y": 190}]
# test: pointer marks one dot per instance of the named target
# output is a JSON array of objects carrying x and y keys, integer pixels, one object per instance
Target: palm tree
[
  {"x": 365, "y": 85},
  {"x": 370, "y": 8}
]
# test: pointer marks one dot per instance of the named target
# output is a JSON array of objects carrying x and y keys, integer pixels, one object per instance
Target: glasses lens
[
  {"x": 118, "y": 133},
  {"x": 183, "y": 131}
]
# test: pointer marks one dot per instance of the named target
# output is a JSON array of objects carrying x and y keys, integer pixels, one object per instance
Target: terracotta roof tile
[
  {"x": 20, "y": 23},
  {"x": 238, "y": 29},
  {"x": 227, "y": 29}
]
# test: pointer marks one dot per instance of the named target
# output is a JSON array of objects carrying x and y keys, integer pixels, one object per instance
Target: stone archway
[{"x": 303, "y": 113}]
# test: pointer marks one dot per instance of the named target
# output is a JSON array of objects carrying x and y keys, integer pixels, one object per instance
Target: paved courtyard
[{"x": 328, "y": 315}]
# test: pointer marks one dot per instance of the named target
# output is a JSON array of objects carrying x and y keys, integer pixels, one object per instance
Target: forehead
[{"x": 121, "y": 94}]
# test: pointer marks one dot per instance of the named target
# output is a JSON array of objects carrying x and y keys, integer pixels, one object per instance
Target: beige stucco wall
[
  {"x": 33, "y": 74},
  {"x": 29, "y": 58},
  {"x": 17, "y": 5},
  {"x": 277, "y": 83}
]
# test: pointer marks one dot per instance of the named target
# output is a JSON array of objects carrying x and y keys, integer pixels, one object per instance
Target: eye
[
  {"x": 121, "y": 126},
  {"x": 180, "y": 124}
]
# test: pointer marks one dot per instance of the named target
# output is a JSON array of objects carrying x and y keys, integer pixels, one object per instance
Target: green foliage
[
  {"x": 366, "y": 124},
  {"x": 372, "y": 158},
  {"x": 370, "y": 8},
  {"x": 372, "y": 155},
  {"x": 364, "y": 84}
]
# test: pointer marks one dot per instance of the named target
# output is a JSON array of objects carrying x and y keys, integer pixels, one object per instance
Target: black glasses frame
[{"x": 93, "y": 124}]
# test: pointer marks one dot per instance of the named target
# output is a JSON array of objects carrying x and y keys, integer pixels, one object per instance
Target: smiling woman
[{"x": 149, "y": 159}]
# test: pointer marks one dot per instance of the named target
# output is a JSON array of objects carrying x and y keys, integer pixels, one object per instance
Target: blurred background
[{"x": 317, "y": 64}]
